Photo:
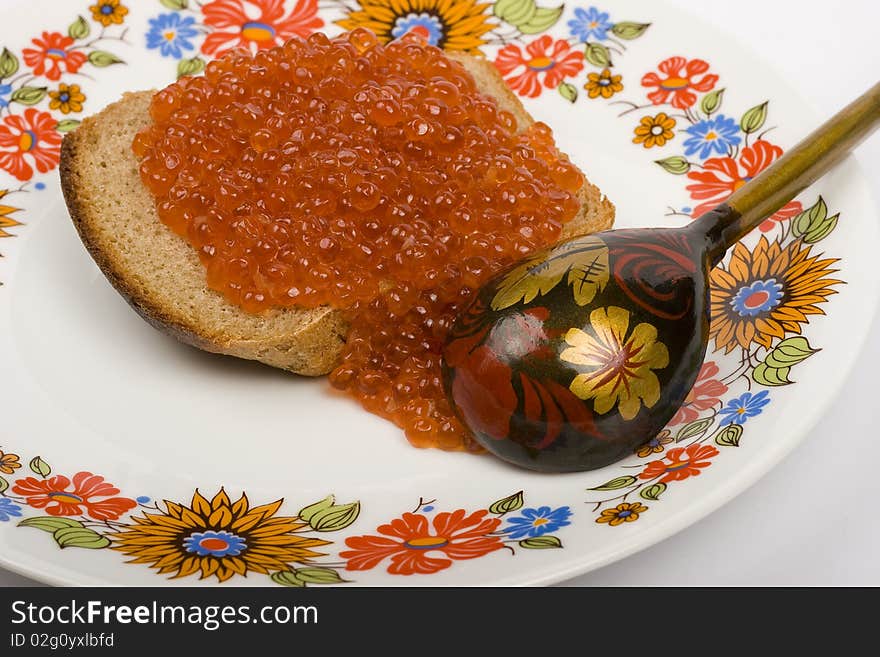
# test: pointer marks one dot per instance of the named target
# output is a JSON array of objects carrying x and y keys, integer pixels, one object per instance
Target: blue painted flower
[
  {"x": 589, "y": 22},
  {"x": 757, "y": 298},
  {"x": 537, "y": 522},
  {"x": 712, "y": 135},
  {"x": 5, "y": 92},
  {"x": 425, "y": 25},
  {"x": 171, "y": 34},
  {"x": 214, "y": 544},
  {"x": 743, "y": 407},
  {"x": 8, "y": 509}
]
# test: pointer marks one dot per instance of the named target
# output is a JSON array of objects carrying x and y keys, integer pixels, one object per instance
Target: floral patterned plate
[{"x": 127, "y": 458}]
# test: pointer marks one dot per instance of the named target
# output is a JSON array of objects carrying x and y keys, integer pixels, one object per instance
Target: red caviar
[{"x": 377, "y": 179}]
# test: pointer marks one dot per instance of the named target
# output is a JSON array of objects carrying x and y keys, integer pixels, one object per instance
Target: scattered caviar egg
[{"x": 373, "y": 178}]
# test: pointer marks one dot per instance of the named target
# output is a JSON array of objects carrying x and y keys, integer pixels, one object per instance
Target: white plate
[{"x": 90, "y": 388}]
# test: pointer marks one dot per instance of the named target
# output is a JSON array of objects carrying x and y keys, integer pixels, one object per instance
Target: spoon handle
[{"x": 798, "y": 168}]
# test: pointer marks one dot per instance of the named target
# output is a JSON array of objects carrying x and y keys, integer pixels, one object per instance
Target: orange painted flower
[
  {"x": 56, "y": 496},
  {"x": 6, "y": 221},
  {"x": 656, "y": 445},
  {"x": 766, "y": 293},
  {"x": 67, "y": 98},
  {"x": 409, "y": 542},
  {"x": 603, "y": 84},
  {"x": 53, "y": 56},
  {"x": 108, "y": 12},
  {"x": 704, "y": 395},
  {"x": 217, "y": 538},
  {"x": 545, "y": 61},
  {"x": 682, "y": 463},
  {"x": 32, "y": 137},
  {"x": 722, "y": 176},
  {"x": 256, "y": 24},
  {"x": 623, "y": 512},
  {"x": 8, "y": 462},
  {"x": 654, "y": 130},
  {"x": 680, "y": 80}
]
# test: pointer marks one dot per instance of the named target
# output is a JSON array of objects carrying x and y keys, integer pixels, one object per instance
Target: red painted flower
[
  {"x": 554, "y": 61},
  {"x": 52, "y": 55},
  {"x": 722, "y": 176},
  {"x": 682, "y": 463},
  {"x": 58, "y": 499},
  {"x": 32, "y": 137},
  {"x": 409, "y": 541},
  {"x": 680, "y": 80},
  {"x": 704, "y": 395},
  {"x": 256, "y": 24}
]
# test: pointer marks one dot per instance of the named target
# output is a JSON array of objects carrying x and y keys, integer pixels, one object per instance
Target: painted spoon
[{"x": 572, "y": 358}]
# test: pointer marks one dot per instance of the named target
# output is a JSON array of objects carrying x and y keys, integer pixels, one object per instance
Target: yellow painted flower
[
  {"x": 619, "y": 362},
  {"x": 5, "y": 220},
  {"x": 218, "y": 538},
  {"x": 654, "y": 130},
  {"x": 603, "y": 84},
  {"x": 767, "y": 293},
  {"x": 656, "y": 445},
  {"x": 448, "y": 24},
  {"x": 107, "y": 12},
  {"x": 625, "y": 512},
  {"x": 9, "y": 463},
  {"x": 67, "y": 98}
]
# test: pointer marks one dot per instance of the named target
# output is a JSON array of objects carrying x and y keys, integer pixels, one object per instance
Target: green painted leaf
[
  {"x": 67, "y": 125},
  {"x": 80, "y": 537},
  {"x": 540, "y": 543},
  {"x": 543, "y": 20},
  {"x": 317, "y": 575},
  {"x": 102, "y": 58},
  {"x": 515, "y": 11},
  {"x": 584, "y": 261},
  {"x": 50, "y": 524},
  {"x": 40, "y": 467},
  {"x": 4, "y": 485},
  {"x": 778, "y": 362},
  {"x": 712, "y": 101},
  {"x": 79, "y": 29},
  {"x": 694, "y": 429},
  {"x": 629, "y": 30},
  {"x": 616, "y": 483},
  {"x": 308, "y": 512},
  {"x": 729, "y": 436},
  {"x": 335, "y": 517},
  {"x": 675, "y": 164},
  {"x": 821, "y": 231},
  {"x": 771, "y": 376},
  {"x": 191, "y": 66},
  {"x": 287, "y": 578},
  {"x": 810, "y": 218},
  {"x": 598, "y": 55},
  {"x": 652, "y": 491},
  {"x": 507, "y": 504},
  {"x": 176, "y": 5},
  {"x": 754, "y": 118},
  {"x": 28, "y": 95},
  {"x": 8, "y": 63},
  {"x": 568, "y": 91},
  {"x": 790, "y": 351}
]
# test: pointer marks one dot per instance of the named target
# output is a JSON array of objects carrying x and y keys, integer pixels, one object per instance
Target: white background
[{"x": 813, "y": 519}]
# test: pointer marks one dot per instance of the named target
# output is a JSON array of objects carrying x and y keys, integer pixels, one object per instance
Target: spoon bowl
[{"x": 567, "y": 360}]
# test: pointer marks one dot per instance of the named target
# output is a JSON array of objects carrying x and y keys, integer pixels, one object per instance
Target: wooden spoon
[{"x": 572, "y": 358}]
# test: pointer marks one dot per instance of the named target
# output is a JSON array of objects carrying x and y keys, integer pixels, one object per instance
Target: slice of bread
[{"x": 160, "y": 275}]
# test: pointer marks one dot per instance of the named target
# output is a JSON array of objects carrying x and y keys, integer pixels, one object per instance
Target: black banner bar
[{"x": 414, "y": 621}]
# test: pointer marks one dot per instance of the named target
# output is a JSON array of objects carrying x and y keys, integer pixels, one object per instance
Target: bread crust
[{"x": 307, "y": 342}]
